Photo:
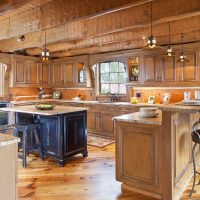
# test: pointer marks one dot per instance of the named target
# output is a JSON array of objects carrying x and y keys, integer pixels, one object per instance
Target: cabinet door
[
  {"x": 152, "y": 71},
  {"x": 68, "y": 73},
  {"x": 92, "y": 121},
  {"x": 20, "y": 71},
  {"x": 57, "y": 74},
  {"x": 74, "y": 133},
  {"x": 32, "y": 73},
  {"x": 189, "y": 70},
  {"x": 107, "y": 126},
  {"x": 44, "y": 74},
  {"x": 149, "y": 68},
  {"x": 169, "y": 70},
  {"x": 51, "y": 135}
]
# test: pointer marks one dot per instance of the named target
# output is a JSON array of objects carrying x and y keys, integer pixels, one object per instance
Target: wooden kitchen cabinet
[
  {"x": 68, "y": 73},
  {"x": 8, "y": 172},
  {"x": 44, "y": 75},
  {"x": 169, "y": 69},
  {"x": 57, "y": 74},
  {"x": 188, "y": 71},
  {"x": 20, "y": 72},
  {"x": 26, "y": 72},
  {"x": 107, "y": 112},
  {"x": 152, "y": 71}
]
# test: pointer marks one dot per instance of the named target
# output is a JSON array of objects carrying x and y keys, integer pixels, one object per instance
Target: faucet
[{"x": 41, "y": 93}]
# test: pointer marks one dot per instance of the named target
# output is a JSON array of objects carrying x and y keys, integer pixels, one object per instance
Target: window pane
[
  {"x": 113, "y": 66},
  {"x": 122, "y": 89},
  {"x": 105, "y": 78},
  {"x": 105, "y": 88},
  {"x": 122, "y": 78},
  {"x": 121, "y": 67},
  {"x": 114, "y": 78},
  {"x": 104, "y": 67},
  {"x": 114, "y": 88}
]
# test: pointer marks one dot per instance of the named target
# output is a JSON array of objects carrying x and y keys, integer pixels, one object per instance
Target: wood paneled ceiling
[{"x": 77, "y": 27}]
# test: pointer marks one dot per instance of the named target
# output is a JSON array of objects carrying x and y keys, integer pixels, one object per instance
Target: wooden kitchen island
[
  {"x": 153, "y": 155},
  {"x": 62, "y": 130}
]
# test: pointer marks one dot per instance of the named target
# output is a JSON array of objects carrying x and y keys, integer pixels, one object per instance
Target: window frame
[{"x": 110, "y": 83}]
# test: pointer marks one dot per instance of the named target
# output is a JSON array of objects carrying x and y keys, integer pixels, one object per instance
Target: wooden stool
[
  {"x": 196, "y": 139},
  {"x": 6, "y": 128},
  {"x": 28, "y": 131}
]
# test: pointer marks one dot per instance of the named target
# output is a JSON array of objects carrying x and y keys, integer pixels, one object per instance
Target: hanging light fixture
[
  {"x": 169, "y": 52},
  {"x": 182, "y": 57},
  {"x": 151, "y": 41},
  {"x": 45, "y": 51}
]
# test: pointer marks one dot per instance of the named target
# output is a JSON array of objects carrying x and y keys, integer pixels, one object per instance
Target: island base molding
[{"x": 126, "y": 187}]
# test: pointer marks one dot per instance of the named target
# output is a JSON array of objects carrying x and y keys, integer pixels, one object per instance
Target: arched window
[{"x": 112, "y": 78}]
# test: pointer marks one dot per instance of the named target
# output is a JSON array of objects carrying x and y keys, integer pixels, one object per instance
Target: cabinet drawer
[
  {"x": 107, "y": 108},
  {"x": 127, "y": 109}
]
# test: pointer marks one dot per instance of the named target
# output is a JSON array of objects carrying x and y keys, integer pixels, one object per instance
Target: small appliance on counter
[
  {"x": 166, "y": 98},
  {"x": 56, "y": 94}
]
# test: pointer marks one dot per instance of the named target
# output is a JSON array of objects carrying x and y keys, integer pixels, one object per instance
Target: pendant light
[
  {"x": 182, "y": 57},
  {"x": 169, "y": 51},
  {"x": 45, "y": 51},
  {"x": 151, "y": 42}
]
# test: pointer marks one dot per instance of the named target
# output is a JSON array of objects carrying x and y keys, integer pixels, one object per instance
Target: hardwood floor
[{"x": 91, "y": 178}]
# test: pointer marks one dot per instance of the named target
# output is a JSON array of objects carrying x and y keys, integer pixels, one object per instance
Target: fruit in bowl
[
  {"x": 134, "y": 100},
  {"x": 45, "y": 106}
]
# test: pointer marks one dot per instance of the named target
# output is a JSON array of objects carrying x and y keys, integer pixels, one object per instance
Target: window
[
  {"x": 3, "y": 68},
  {"x": 112, "y": 78}
]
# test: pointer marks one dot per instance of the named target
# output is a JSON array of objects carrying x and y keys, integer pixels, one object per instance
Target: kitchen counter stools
[
  {"x": 196, "y": 139},
  {"x": 30, "y": 139}
]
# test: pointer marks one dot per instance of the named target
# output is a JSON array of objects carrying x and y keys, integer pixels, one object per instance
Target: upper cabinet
[
  {"x": 152, "y": 68},
  {"x": 188, "y": 71},
  {"x": 44, "y": 75},
  {"x": 25, "y": 72},
  {"x": 168, "y": 69}
]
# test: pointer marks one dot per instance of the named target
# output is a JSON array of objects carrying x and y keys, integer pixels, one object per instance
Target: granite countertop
[
  {"x": 135, "y": 117},
  {"x": 170, "y": 107},
  {"x": 32, "y": 110},
  {"x": 7, "y": 139},
  {"x": 82, "y": 102}
]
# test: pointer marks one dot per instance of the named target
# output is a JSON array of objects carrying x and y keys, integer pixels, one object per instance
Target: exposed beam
[{"x": 74, "y": 36}]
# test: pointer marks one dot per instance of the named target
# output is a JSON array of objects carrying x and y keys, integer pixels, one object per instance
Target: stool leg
[
  {"x": 24, "y": 148},
  {"x": 39, "y": 144},
  {"x": 194, "y": 168}
]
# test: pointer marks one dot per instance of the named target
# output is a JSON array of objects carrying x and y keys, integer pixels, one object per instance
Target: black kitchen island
[{"x": 63, "y": 130}]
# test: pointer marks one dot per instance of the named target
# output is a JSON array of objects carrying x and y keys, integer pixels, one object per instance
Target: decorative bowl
[{"x": 45, "y": 106}]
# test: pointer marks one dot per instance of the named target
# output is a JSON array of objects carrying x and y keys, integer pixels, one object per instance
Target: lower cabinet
[
  {"x": 75, "y": 139},
  {"x": 51, "y": 135},
  {"x": 62, "y": 135},
  {"x": 8, "y": 172}
]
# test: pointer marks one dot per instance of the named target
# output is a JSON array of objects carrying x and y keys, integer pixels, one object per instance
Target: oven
[{"x": 4, "y": 116}]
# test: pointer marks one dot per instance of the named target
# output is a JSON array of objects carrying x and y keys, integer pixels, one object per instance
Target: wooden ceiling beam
[{"x": 61, "y": 39}]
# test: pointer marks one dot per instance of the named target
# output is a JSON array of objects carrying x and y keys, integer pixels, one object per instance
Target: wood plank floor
[{"x": 91, "y": 178}]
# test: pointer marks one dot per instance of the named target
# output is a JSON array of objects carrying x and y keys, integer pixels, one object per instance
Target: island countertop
[
  {"x": 30, "y": 109},
  {"x": 7, "y": 139},
  {"x": 135, "y": 117}
]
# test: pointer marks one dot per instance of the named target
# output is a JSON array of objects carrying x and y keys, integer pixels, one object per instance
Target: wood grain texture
[{"x": 91, "y": 178}]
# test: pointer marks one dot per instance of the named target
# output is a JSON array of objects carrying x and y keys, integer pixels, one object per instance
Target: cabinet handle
[{"x": 62, "y": 81}]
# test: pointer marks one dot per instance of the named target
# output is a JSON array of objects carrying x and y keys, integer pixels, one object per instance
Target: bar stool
[
  {"x": 196, "y": 139},
  {"x": 6, "y": 128},
  {"x": 28, "y": 131}
]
